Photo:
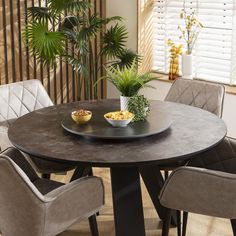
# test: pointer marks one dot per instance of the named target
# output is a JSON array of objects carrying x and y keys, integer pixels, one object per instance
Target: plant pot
[
  {"x": 124, "y": 101},
  {"x": 187, "y": 66}
]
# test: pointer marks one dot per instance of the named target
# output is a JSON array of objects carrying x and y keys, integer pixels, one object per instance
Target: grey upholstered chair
[
  {"x": 206, "y": 186},
  {"x": 204, "y": 95},
  {"x": 31, "y": 206},
  {"x": 18, "y": 99},
  {"x": 201, "y": 94}
]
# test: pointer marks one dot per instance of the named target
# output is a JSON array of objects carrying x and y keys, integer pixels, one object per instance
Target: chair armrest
[
  {"x": 201, "y": 191},
  {"x": 74, "y": 201},
  {"x": 75, "y": 186}
]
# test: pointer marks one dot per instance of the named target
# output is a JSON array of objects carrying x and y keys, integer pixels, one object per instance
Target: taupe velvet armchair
[
  {"x": 204, "y": 95},
  {"x": 31, "y": 206},
  {"x": 18, "y": 99},
  {"x": 206, "y": 186},
  {"x": 200, "y": 94}
]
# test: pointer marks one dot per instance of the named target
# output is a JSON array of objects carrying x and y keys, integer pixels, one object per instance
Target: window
[{"x": 215, "y": 50}]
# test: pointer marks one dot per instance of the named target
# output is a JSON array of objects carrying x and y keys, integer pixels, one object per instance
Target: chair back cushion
[
  {"x": 222, "y": 157},
  {"x": 18, "y": 99},
  {"x": 204, "y": 95},
  {"x": 19, "y": 159},
  {"x": 21, "y": 204}
]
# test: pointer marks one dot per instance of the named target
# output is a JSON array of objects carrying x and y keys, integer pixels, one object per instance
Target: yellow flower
[
  {"x": 182, "y": 13},
  {"x": 170, "y": 42}
]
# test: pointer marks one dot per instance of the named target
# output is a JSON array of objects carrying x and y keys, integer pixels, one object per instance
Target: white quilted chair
[{"x": 16, "y": 100}]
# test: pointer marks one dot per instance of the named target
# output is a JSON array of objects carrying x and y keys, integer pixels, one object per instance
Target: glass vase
[{"x": 174, "y": 67}]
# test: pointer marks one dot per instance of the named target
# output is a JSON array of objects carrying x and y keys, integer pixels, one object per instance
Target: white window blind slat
[{"x": 215, "y": 49}]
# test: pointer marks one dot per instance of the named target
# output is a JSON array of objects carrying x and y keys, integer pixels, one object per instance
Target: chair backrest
[
  {"x": 204, "y": 95},
  {"x": 21, "y": 204},
  {"x": 20, "y": 98}
]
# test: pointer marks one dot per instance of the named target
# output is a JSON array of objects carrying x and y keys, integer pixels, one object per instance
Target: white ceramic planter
[
  {"x": 124, "y": 103},
  {"x": 187, "y": 66}
]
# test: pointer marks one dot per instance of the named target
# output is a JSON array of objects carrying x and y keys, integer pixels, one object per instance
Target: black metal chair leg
[
  {"x": 166, "y": 223},
  {"x": 178, "y": 222},
  {"x": 46, "y": 176},
  {"x": 93, "y": 225},
  {"x": 233, "y": 224},
  {"x": 185, "y": 221},
  {"x": 81, "y": 171}
]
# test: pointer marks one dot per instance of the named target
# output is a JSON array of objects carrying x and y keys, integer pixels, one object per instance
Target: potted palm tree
[
  {"x": 128, "y": 81},
  {"x": 70, "y": 23}
]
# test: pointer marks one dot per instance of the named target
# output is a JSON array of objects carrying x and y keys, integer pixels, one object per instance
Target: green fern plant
[{"x": 127, "y": 79}]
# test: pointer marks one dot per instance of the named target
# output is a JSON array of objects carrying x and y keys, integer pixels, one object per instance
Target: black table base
[{"x": 127, "y": 202}]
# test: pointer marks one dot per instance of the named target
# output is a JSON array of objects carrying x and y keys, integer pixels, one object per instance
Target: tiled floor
[{"x": 197, "y": 225}]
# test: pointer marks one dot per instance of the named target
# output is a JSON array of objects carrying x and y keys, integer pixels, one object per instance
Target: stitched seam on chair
[
  {"x": 44, "y": 219},
  {"x": 9, "y": 106},
  {"x": 36, "y": 98},
  {"x": 195, "y": 97},
  {"x": 181, "y": 93},
  {"x": 21, "y": 100}
]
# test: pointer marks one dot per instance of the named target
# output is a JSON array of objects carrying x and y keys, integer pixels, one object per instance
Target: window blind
[{"x": 214, "y": 55}]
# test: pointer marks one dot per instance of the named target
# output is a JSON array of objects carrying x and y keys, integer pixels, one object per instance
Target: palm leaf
[
  {"x": 114, "y": 41},
  {"x": 45, "y": 44},
  {"x": 94, "y": 25},
  {"x": 78, "y": 6},
  {"x": 60, "y": 6},
  {"x": 112, "y": 19},
  {"x": 126, "y": 58},
  {"x": 78, "y": 65},
  {"x": 39, "y": 14}
]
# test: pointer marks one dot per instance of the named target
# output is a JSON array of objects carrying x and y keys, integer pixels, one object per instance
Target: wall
[{"x": 128, "y": 9}]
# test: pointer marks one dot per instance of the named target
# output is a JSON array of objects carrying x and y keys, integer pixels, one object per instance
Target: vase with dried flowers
[
  {"x": 175, "y": 52},
  {"x": 189, "y": 33}
]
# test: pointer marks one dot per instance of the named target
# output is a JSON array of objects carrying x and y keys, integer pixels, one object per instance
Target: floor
[{"x": 197, "y": 225}]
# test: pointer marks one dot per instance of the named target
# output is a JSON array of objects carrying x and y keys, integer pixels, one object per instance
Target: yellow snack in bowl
[{"x": 119, "y": 115}]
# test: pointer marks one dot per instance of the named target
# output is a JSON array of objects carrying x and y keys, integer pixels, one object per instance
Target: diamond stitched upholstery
[
  {"x": 207, "y": 96},
  {"x": 18, "y": 99},
  {"x": 220, "y": 158}
]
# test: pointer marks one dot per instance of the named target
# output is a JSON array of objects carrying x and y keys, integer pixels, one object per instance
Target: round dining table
[{"x": 190, "y": 131}]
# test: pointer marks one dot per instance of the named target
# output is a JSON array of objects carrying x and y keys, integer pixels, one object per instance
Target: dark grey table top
[{"x": 193, "y": 130}]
